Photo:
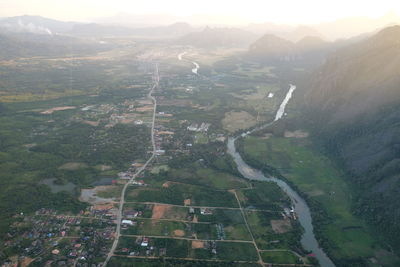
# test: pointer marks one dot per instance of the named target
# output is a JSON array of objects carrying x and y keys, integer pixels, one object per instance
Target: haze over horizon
[{"x": 216, "y": 12}]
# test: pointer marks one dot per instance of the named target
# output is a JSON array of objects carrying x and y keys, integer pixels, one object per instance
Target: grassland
[
  {"x": 345, "y": 236},
  {"x": 280, "y": 257},
  {"x": 207, "y": 177},
  {"x": 181, "y": 194},
  {"x": 264, "y": 195},
  {"x": 235, "y": 121}
]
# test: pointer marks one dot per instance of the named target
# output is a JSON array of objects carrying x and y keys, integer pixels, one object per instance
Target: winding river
[
  {"x": 300, "y": 206},
  {"x": 196, "y": 65}
]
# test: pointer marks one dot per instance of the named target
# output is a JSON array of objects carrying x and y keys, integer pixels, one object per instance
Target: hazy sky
[{"x": 280, "y": 11}]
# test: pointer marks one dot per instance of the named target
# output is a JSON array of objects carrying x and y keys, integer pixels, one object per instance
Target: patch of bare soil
[
  {"x": 234, "y": 121},
  {"x": 179, "y": 233},
  {"x": 281, "y": 226},
  {"x": 90, "y": 195},
  {"x": 26, "y": 261},
  {"x": 159, "y": 211},
  {"x": 267, "y": 136},
  {"x": 316, "y": 193},
  {"x": 92, "y": 123},
  {"x": 104, "y": 167},
  {"x": 51, "y": 110},
  {"x": 187, "y": 202},
  {"x": 296, "y": 134},
  {"x": 197, "y": 244}
]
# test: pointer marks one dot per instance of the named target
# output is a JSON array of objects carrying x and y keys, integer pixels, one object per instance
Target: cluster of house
[
  {"x": 205, "y": 211},
  {"x": 128, "y": 175},
  {"x": 194, "y": 127},
  {"x": 142, "y": 247},
  {"x": 289, "y": 213},
  {"x": 102, "y": 211},
  {"x": 161, "y": 136},
  {"x": 211, "y": 245},
  {"x": 130, "y": 214},
  {"x": 51, "y": 242}
]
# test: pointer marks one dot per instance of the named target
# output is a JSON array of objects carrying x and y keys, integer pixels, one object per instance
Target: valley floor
[{"x": 344, "y": 236}]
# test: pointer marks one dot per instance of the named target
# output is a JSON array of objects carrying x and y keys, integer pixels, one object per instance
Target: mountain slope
[
  {"x": 310, "y": 50},
  {"x": 366, "y": 75},
  {"x": 271, "y": 46},
  {"x": 353, "y": 106},
  {"x": 299, "y": 33}
]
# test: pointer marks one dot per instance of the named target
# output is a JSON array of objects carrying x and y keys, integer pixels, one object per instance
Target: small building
[
  {"x": 159, "y": 152},
  {"x": 193, "y": 127},
  {"x": 127, "y": 222},
  {"x": 145, "y": 242},
  {"x": 124, "y": 175},
  {"x": 205, "y": 211},
  {"x": 140, "y": 183}
]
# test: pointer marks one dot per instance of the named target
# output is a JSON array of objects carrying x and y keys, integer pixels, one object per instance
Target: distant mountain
[
  {"x": 349, "y": 27},
  {"x": 156, "y": 20},
  {"x": 353, "y": 104},
  {"x": 45, "y": 26},
  {"x": 218, "y": 37},
  {"x": 300, "y": 32},
  {"x": 35, "y": 24},
  {"x": 14, "y": 45},
  {"x": 268, "y": 28},
  {"x": 271, "y": 48},
  {"x": 310, "y": 43},
  {"x": 138, "y": 20},
  {"x": 97, "y": 30},
  {"x": 339, "y": 29}
]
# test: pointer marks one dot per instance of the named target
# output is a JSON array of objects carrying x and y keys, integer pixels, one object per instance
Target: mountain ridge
[{"x": 351, "y": 105}]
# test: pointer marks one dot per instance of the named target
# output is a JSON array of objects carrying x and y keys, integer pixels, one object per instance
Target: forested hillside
[{"x": 352, "y": 105}]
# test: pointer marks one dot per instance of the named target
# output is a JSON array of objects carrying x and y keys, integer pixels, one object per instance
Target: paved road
[{"x": 122, "y": 199}]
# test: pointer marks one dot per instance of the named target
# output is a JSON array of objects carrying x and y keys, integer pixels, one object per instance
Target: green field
[
  {"x": 131, "y": 262},
  {"x": 280, "y": 257},
  {"x": 236, "y": 251},
  {"x": 264, "y": 235},
  {"x": 156, "y": 228},
  {"x": 180, "y": 248},
  {"x": 177, "y": 193},
  {"x": 343, "y": 234},
  {"x": 264, "y": 195},
  {"x": 205, "y": 177}
]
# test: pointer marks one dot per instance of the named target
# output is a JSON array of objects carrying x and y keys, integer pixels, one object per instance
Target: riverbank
[
  {"x": 300, "y": 207},
  {"x": 346, "y": 238}
]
